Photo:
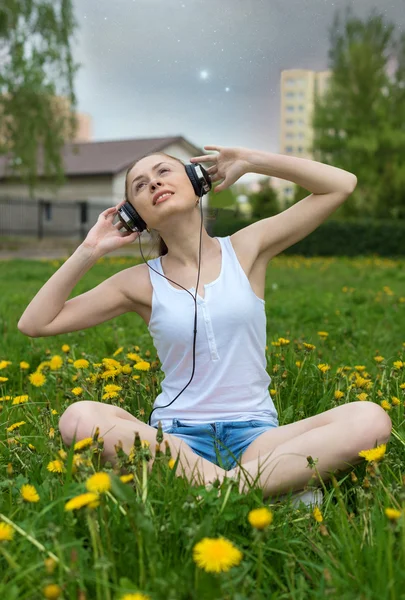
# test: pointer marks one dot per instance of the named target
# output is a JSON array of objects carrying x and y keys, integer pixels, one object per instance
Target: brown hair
[{"x": 162, "y": 246}]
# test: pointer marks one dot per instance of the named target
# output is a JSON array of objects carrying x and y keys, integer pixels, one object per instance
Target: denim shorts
[{"x": 221, "y": 443}]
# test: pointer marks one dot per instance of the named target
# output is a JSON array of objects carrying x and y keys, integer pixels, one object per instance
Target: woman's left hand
[{"x": 229, "y": 165}]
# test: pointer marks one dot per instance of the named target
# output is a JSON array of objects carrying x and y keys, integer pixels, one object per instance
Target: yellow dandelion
[
  {"x": 37, "y": 379},
  {"x": 378, "y": 358},
  {"x": 50, "y": 565},
  {"x": 89, "y": 499},
  {"x": 171, "y": 463},
  {"x": 24, "y": 365},
  {"x": 216, "y": 555},
  {"x": 126, "y": 369},
  {"x": 51, "y": 432},
  {"x": 135, "y": 377},
  {"x": 398, "y": 364},
  {"x": 309, "y": 346},
  {"x": 65, "y": 348},
  {"x": 62, "y": 453},
  {"x": 402, "y": 386},
  {"x": 3, "y": 379},
  {"x": 55, "y": 466},
  {"x": 395, "y": 401},
  {"x": 31, "y": 447},
  {"x": 126, "y": 478},
  {"x": 99, "y": 483},
  {"x": 52, "y": 591},
  {"x": 386, "y": 405},
  {"x": 144, "y": 365},
  {"x": 56, "y": 362},
  {"x": 6, "y": 532},
  {"x": 77, "y": 391},
  {"x": 323, "y": 334},
  {"x": 338, "y": 394},
  {"x": 393, "y": 513},
  {"x": 29, "y": 493},
  {"x": 134, "y": 357},
  {"x": 111, "y": 387},
  {"x": 273, "y": 392},
  {"x": 297, "y": 363},
  {"x": 118, "y": 351},
  {"x": 110, "y": 374},
  {"x": 363, "y": 396},
  {"x": 317, "y": 514},
  {"x": 54, "y": 412},
  {"x": 4, "y": 364},
  {"x": 260, "y": 518},
  {"x": 20, "y": 399},
  {"x": 111, "y": 363},
  {"x": 109, "y": 395},
  {"x": 81, "y": 363},
  {"x": 84, "y": 443},
  {"x": 283, "y": 341},
  {"x": 323, "y": 367},
  {"x": 15, "y": 425},
  {"x": 360, "y": 368},
  {"x": 75, "y": 377},
  {"x": 376, "y": 453}
]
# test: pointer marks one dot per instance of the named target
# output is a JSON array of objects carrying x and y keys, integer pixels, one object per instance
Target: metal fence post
[{"x": 40, "y": 221}]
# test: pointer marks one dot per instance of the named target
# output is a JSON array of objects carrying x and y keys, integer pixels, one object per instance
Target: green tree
[
  {"x": 36, "y": 70},
  {"x": 265, "y": 202},
  {"x": 359, "y": 121}
]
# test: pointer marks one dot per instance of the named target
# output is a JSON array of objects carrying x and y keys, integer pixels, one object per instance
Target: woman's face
[{"x": 151, "y": 176}]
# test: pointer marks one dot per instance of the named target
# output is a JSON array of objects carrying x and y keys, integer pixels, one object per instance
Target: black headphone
[{"x": 132, "y": 221}]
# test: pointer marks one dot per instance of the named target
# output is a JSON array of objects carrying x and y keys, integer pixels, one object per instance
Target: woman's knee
[
  {"x": 374, "y": 421},
  {"x": 79, "y": 419}
]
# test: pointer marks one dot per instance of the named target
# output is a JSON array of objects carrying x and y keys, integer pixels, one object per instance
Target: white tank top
[{"x": 230, "y": 380}]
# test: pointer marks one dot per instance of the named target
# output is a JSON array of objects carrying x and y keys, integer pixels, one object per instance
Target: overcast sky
[{"x": 205, "y": 69}]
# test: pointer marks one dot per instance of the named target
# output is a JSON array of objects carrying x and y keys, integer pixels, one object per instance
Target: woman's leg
[
  {"x": 82, "y": 418},
  {"x": 334, "y": 447}
]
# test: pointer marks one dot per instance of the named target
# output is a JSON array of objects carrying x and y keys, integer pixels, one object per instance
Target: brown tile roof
[{"x": 109, "y": 157}]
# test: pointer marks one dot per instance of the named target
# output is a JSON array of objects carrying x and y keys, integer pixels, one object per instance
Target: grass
[{"x": 139, "y": 542}]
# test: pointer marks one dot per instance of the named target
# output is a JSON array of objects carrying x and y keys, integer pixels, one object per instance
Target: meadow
[{"x": 71, "y": 528}]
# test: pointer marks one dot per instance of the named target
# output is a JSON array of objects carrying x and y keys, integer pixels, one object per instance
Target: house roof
[{"x": 105, "y": 158}]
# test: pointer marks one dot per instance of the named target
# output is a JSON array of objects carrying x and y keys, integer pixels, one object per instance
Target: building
[
  {"x": 95, "y": 173},
  {"x": 298, "y": 89}
]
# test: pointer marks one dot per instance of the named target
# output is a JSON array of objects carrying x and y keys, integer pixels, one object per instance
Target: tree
[
  {"x": 37, "y": 99},
  {"x": 265, "y": 202},
  {"x": 359, "y": 122}
]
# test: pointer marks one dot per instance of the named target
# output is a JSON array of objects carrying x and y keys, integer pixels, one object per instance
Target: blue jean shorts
[{"x": 221, "y": 443}]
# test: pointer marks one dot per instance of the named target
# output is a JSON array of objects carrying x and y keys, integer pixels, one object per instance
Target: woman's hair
[{"x": 162, "y": 246}]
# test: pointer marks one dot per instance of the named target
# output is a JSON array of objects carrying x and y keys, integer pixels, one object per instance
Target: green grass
[{"x": 142, "y": 539}]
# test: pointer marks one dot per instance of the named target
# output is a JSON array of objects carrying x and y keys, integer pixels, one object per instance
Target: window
[
  {"x": 48, "y": 211},
  {"x": 290, "y": 108},
  {"x": 288, "y": 148}
]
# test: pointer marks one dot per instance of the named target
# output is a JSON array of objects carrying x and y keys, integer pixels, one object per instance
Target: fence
[{"x": 44, "y": 218}]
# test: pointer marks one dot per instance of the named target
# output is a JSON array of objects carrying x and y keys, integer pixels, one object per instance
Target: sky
[{"x": 208, "y": 70}]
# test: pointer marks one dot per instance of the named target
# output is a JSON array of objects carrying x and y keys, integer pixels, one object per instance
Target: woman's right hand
[{"x": 105, "y": 237}]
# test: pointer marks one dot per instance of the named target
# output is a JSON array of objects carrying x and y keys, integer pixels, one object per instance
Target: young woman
[{"x": 224, "y": 424}]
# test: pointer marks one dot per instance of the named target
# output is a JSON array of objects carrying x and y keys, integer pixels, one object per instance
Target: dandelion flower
[
  {"x": 111, "y": 363},
  {"x": 15, "y": 425},
  {"x": 77, "y": 391},
  {"x": 374, "y": 453},
  {"x": 392, "y": 513},
  {"x": 56, "y": 362},
  {"x": 363, "y": 396},
  {"x": 216, "y": 555},
  {"x": 395, "y": 401},
  {"x": 317, "y": 514},
  {"x": 3, "y": 379},
  {"x": 6, "y": 532},
  {"x": 309, "y": 346},
  {"x": 52, "y": 591},
  {"x": 260, "y": 518},
  {"x": 171, "y": 463},
  {"x": 118, "y": 351},
  {"x": 323, "y": 334},
  {"x": 109, "y": 395},
  {"x": 20, "y": 399},
  {"x": 83, "y": 443},
  {"x": 386, "y": 405},
  {"x": 89, "y": 499},
  {"x": 134, "y": 357},
  {"x": 111, "y": 387},
  {"x": 398, "y": 364},
  {"x": 65, "y": 348},
  {"x": 143, "y": 365},
  {"x": 4, "y": 363},
  {"x": 338, "y": 394},
  {"x": 37, "y": 379},
  {"x": 81, "y": 363},
  {"x": 55, "y": 466},
  {"x": 378, "y": 358},
  {"x": 127, "y": 478},
  {"x": 24, "y": 365},
  {"x": 99, "y": 483},
  {"x": 323, "y": 367},
  {"x": 29, "y": 493}
]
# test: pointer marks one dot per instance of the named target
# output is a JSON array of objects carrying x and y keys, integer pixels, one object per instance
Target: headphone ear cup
[
  {"x": 200, "y": 179},
  {"x": 131, "y": 220}
]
